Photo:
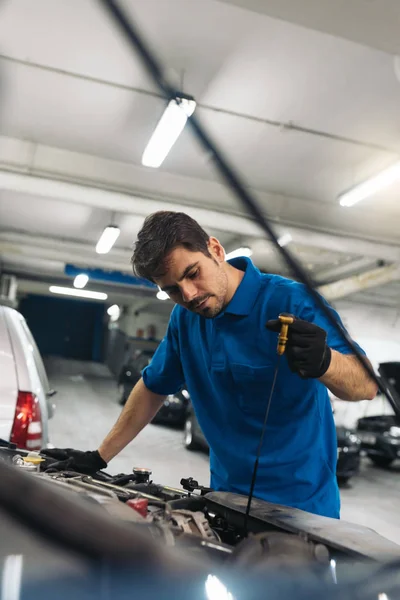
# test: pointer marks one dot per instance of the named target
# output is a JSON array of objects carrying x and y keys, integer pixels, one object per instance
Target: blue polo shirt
[{"x": 227, "y": 364}]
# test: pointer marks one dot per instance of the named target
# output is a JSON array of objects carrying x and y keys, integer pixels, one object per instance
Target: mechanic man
[{"x": 221, "y": 342}]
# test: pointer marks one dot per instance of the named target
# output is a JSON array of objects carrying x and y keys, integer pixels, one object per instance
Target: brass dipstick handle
[{"x": 285, "y": 320}]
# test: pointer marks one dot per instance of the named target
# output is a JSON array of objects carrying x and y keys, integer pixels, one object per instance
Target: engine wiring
[{"x": 235, "y": 183}]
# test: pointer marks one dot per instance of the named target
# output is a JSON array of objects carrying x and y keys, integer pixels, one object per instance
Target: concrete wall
[{"x": 377, "y": 330}]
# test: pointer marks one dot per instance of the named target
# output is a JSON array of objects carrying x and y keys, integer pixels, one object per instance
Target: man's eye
[{"x": 194, "y": 274}]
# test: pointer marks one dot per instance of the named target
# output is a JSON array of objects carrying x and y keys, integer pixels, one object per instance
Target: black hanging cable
[
  {"x": 232, "y": 178},
  {"x": 260, "y": 444}
]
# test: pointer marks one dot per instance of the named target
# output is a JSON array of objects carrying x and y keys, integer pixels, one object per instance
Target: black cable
[
  {"x": 233, "y": 180},
  {"x": 122, "y": 480}
]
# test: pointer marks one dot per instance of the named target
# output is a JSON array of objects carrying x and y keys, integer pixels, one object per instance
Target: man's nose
[{"x": 188, "y": 292}]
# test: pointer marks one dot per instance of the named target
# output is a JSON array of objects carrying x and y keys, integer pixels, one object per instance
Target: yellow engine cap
[{"x": 35, "y": 460}]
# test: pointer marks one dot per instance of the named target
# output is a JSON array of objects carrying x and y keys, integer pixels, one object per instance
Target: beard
[
  {"x": 218, "y": 303},
  {"x": 210, "y": 312}
]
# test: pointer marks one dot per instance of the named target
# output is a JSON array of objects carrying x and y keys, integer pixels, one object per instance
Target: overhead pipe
[{"x": 361, "y": 282}]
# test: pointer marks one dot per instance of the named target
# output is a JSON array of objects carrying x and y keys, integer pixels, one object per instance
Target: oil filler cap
[
  {"x": 34, "y": 460},
  {"x": 142, "y": 474}
]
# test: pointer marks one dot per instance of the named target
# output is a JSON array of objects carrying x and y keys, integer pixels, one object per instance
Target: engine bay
[{"x": 208, "y": 524}]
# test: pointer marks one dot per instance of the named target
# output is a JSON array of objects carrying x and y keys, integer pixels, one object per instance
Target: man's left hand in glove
[
  {"x": 68, "y": 459},
  {"x": 307, "y": 351}
]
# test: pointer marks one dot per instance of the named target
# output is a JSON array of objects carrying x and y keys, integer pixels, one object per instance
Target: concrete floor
[{"x": 87, "y": 408}]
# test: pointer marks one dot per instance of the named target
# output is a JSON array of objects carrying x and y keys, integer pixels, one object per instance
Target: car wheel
[
  {"x": 188, "y": 438},
  {"x": 381, "y": 461},
  {"x": 342, "y": 480}
]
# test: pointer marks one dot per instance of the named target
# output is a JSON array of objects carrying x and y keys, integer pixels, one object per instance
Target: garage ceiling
[{"x": 302, "y": 96}]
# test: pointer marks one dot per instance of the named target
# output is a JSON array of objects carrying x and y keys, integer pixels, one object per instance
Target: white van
[{"x": 25, "y": 406}]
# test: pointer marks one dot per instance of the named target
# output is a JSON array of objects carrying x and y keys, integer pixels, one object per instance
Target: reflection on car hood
[{"x": 378, "y": 424}]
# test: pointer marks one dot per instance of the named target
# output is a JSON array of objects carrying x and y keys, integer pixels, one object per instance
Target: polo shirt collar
[{"x": 246, "y": 294}]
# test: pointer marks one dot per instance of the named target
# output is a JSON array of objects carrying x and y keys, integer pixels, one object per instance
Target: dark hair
[{"x": 161, "y": 233}]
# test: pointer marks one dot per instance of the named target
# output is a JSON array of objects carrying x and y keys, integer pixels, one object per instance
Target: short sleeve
[
  {"x": 164, "y": 374},
  {"x": 308, "y": 310}
]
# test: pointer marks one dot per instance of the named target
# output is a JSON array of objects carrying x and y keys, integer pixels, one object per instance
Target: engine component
[
  {"x": 210, "y": 525},
  {"x": 23, "y": 463},
  {"x": 141, "y": 505},
  {"x": 341, "y": 537},
  {"x": 142, "y": 474},
  {"x": 191, "y": 485},
  {"x": 192, "y": 502},
  {"x": 161, "y": 491},
  {"x": 194, "y": 523},
  {"x": 279, "y": 550},
  {"x": 81, "y": 483}
]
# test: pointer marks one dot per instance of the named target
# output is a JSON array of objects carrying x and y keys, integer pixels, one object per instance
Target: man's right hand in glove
[{"x": 68, "y": 459}]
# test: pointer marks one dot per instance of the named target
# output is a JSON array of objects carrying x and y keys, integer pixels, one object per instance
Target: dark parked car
[
  {"x": 380, "y": 438},
  {"x": 349, "y": 451},
  {"x": 173, "y": 411},
  {"x": 131, "y": 373},
  {"x": 193, "y": 437},
  {"x": 349, "y": 446},
  {"x": 380, "y": 435}
]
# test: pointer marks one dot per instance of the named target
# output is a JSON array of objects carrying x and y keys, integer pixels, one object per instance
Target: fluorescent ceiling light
[
  {"x": 167, "y": 131},
  {"x": 371, "y": 186},
  {"x": 81, "y": 280},
  {"x": 239, "y": 252},
  {"x": 55, "y": 289},
  {"x": 285, "y": 239},
  {"x": 107, "y": 239},
  {"x": 162, "y": 295}
]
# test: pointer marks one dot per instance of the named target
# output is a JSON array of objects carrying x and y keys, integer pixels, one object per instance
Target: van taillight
[{"x": 27, "y": 427}]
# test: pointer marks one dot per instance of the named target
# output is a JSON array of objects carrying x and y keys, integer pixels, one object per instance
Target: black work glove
[
  {"x": 307, "y": 352},
  {"x": 68, "y": 459}
]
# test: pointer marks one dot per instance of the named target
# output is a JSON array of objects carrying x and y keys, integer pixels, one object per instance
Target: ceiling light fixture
[
  {"x": 239, "y": 252},
  {"x": 63, "y": 291},
  {"x": 107, "y": 239},
  {"x": 162, "y": 295},
  {"x": 371, "y": 186},
  {"x": 168, "y": 129},
  {"x": 81, "y": 280},
  {"x": 285, "y": 239},
  {"x": 114, "y": 312}
]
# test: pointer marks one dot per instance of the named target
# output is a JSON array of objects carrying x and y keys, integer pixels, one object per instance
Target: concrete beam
[
  {"x": 345, "y": 244},
  {"x": 347, "y": 269},
  {"x": 364, "y": 24},
  {"x": 61, "y": 250},
  {"x": 358, "y": 283},
  {"x": 133, "y": 190}
]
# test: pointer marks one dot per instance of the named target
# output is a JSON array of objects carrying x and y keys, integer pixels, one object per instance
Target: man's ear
[{"x": 216, "y": 249}]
